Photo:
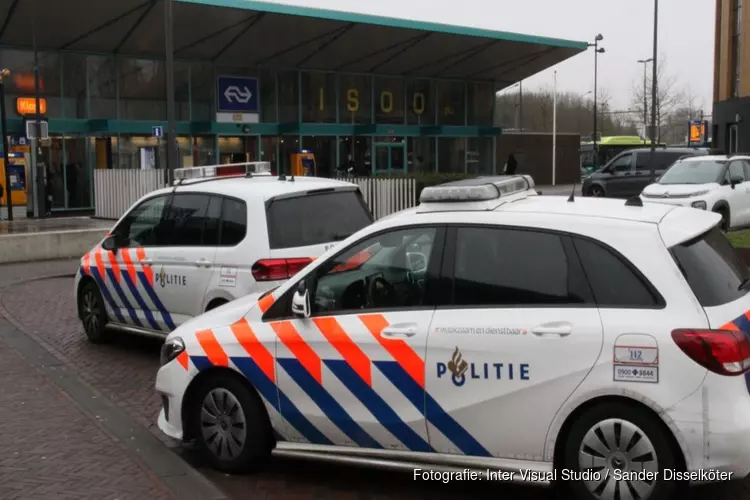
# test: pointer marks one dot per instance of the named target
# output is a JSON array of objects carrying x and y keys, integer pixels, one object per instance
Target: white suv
[
  {"x": 719, "y": 184},
  {"x": 592, "y": 342},
  {"x": 214, "y": 237}
]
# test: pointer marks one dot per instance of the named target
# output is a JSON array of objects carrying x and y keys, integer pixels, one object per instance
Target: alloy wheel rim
[
  {"x": 597, "y": 192},
  {"x": 616, "y": 444},
  {"x": 223, "y": 424},
  {"x": 91, "y": 312}
]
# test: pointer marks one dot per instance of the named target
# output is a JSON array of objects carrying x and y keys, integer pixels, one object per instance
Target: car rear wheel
[
  {"x": 610, "y": 446},
  {"x": 231, "y": 425},
  {"x": 92, "y": 312},
  {"x": 596, "y": 191},
  {"x": 724, "y": 224}
]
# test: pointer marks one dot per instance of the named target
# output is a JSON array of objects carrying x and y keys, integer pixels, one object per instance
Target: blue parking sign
[{"x": 236, "y": 94}]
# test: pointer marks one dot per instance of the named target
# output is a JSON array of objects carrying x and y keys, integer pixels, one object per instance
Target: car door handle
[
  {"x": 408, "y": 330},
  {"x": 202, "y": 263},
  {"x": 563, "y": 329},
  {"x": 147, "y": 262}
]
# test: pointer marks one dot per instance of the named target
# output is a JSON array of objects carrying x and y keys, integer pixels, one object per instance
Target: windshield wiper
[{"x": 744, "y": 284}]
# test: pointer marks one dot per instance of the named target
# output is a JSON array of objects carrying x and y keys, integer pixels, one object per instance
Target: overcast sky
[{"x": 686, "y": 36}]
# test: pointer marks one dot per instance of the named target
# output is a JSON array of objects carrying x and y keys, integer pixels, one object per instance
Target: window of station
[
  {"x": 288, "y": 145},
  {"x": 389, "y": 100},
  {"x": 20, "y": 88},
  {"x": 355, "y": 152},
  {"x": 480, "y": 104},
  {"x": 354, "y": 99},
  {"x": 421, "y": 154},
  {"x": 142, "y": 89},
  {"x": 74, "y": 93},
  {"x": 420, "y": 102},
  {"x": 451, "y": 107},
  {"x": 267, "y": 85},
  {"x": 451, "y": 157},
  {"x": 319, "y": 97},
  {"x": 238, "y": 149},
  {"x": 479, "y": 156},
  {"x": 202, "y": 84},
  {"x": 269, "y": 151},
  {"x": 288, "y": 96},
  {"x": 324, "y": 149}
]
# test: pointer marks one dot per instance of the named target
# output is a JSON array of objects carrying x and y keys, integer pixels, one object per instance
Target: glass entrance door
[{"x": 390, "y": 157}]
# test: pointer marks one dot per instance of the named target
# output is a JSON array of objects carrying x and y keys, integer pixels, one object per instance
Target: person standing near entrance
[{"x": 511, "y": 165}]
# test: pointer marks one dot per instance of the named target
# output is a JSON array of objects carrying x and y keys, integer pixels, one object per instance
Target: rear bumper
[{"x": 714, "y": 430}]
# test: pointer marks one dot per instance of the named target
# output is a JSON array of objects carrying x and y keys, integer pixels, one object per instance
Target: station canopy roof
[{"x": 246, "y": 33}]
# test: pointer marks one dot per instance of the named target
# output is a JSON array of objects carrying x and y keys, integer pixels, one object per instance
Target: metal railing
[{"x": 115, "y": 191}]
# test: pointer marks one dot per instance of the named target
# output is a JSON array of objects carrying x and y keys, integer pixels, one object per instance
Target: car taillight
[
  {"x": 278, "y": 269},
  {"x": 725, "y": 352}
]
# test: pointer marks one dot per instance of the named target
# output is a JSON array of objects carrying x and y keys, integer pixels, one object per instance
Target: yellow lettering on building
[
  {"x": 386, "y": 101},
  {"x": 418, "y": 103},
  {"x": 321, "y": 99},
  {"x": 352, "y": 100}
]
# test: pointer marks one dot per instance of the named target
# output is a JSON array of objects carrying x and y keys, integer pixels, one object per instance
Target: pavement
[{"x": 77, "y": 420}]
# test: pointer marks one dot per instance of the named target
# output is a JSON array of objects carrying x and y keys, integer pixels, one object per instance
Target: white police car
[
  {"x": 219, "y": 233},
  {"x": 595, "y": 343},
  {"x": 716, "y": 183}
]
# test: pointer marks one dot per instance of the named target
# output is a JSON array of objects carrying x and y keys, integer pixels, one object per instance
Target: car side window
[
  {"x": 736, "y": 169},
  {"x": 233, "y": 222},
  {"x": 389, "y": 270},
  {"x": 512, "y": 267},
  {"x": 613, "y": 280},
  {"x": 143, "y": 226},
  {"x": 747, "y": 169},
  {"x": 623, "y": 164},
  {"x": 213, "y": 221},
  {"x": 186, "y": 218},
  {"x": 642, "y": 162}
]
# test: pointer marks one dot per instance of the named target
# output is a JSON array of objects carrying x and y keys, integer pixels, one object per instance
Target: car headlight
[
  {"x": 699, "y": 204},
  {"x": 171, "y": 349},
  {"x": 699, "y": 193}
]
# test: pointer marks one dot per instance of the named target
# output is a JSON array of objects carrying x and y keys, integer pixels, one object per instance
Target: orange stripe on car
[
  {"x": 214, "y": 352},
  {"x": 129, "y": 265},
  {"x": 731, "y": 327},
  {"x": 266, "y": 302},
  {"x": 352, "y": 354},
  {"x": 301, "y": 350},
  {"x": 257, "y": 351},
  {"x": 399, "y": 349},
  {"x": 87, "y": 264},
  {"x": 113, "y": 262},
  {"x": 183, "y": 359},
  {"x": 140, "y": 253},
  {"x": 100, "y": 263}
]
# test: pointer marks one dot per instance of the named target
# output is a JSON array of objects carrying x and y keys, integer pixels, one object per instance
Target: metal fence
[{"x": 115, "y": 190}]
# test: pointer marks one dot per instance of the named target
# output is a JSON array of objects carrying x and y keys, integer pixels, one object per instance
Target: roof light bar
[
  {"x": 480, "y": 189},
  {"x": 229, "y": 169}
]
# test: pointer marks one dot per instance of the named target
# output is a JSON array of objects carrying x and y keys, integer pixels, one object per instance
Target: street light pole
[
  {"x": 645, "y": 94},
  {"x": 597, "y": 51},
  {"x": 169, "y": 57},
  {"x": 4, "y": 73},
  {"x": 653, "y": 92}
]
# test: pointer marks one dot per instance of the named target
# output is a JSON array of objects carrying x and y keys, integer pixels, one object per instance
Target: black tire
[
  {"x": 255, "y": 450},
  {"x": 597, "y": 191},
  {"x": 724, "y": 224},
  {"x": 92, "y": 312},
  {"x": 649, "y": 426},
  {"x": 215, "y": 303}
]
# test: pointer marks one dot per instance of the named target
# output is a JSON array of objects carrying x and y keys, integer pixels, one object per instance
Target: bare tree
[{"x": 669, "y": 97}]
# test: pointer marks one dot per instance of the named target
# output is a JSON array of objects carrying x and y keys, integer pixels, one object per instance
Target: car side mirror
[
  {"x": 110, "y": 243},
  {"x": 736, "y": 179},
  {"x": 301, "y": 301}
]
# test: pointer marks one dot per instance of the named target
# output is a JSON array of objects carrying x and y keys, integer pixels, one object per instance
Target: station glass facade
[{"x": 102, "y": 110}]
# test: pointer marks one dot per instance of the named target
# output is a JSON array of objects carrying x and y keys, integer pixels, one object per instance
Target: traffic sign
[
  {"x": 157, "y": 131},
  {"x": 236, "y": 94}
]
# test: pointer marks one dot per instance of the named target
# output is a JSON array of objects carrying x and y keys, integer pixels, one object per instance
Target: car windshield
[{"x": 693, "y": 172}]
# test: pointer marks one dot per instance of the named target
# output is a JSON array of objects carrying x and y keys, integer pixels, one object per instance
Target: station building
[{"x": 257, "y": 81}]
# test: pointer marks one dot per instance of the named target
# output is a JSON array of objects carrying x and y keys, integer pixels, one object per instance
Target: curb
[{"x": 180, "y": 478}]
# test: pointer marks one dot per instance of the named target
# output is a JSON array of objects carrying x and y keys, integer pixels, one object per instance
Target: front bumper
[
  {"x": 172, "y": 381},
  {"x": 678, "y": 202}
]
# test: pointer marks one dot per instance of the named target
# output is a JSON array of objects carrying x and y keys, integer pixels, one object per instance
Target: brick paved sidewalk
[{"x": 50, "y": 449}]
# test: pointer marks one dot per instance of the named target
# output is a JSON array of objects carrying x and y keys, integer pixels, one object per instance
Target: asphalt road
[{"x": 124, "y": 371}]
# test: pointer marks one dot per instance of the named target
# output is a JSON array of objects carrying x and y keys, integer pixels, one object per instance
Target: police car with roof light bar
[
  {"x": 580, "y": 341},
  {"x": 220, "y": 233}
]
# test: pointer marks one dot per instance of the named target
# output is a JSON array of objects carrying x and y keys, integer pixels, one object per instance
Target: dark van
[{"x": 630, "y": 171}]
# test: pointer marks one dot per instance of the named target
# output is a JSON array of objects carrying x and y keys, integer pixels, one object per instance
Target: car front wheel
[
  {"x": 92, "y": 312},
  {"x": 596, "y": 191},
  {"x": 616, "y": 451},
  {"x": 231, "y": 425}
]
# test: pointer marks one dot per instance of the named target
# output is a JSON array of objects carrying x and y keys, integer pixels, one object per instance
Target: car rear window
[
  {"x": 315, "y": 218},
  {"x": 712, "y": 268}
]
